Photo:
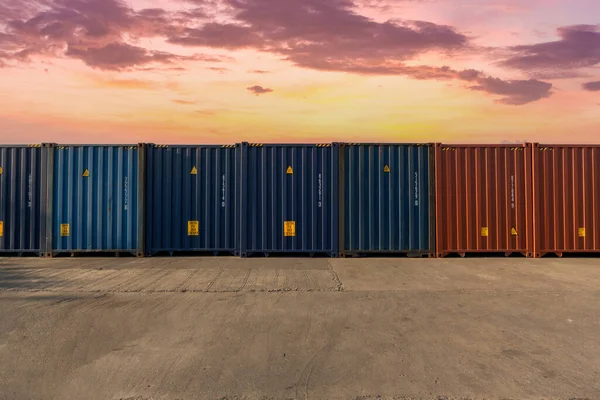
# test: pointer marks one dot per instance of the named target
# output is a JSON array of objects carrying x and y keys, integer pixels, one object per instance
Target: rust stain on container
[
  {"x": 567, "y": 198},
  {"x": 484, "y": 199}
]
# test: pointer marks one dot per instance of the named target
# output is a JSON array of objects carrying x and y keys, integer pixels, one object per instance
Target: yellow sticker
[
  {"x": 86, "y": 173},
  {"x": 289, "y": 170},
  {"x": 194, "y": 171},
  {"x": 289, "y": 228},
  {"x": 513, "y": 231},
  {"x": 1, "y": 228},
  {"x": 386, "y": 169},
  {"x": 581, "y": 232},
  {"x": 0, "y": 170},
  {"x": 65, "y": 230},
  {"x": 484, "y": 231},
  {"x": 193, "y": 228}
]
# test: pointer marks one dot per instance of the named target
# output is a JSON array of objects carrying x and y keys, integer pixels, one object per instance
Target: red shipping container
[
  {"x": 484, "y": 199},
  {"x": 567, "y": 199}
]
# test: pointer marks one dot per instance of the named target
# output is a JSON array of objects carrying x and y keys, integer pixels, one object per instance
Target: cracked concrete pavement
[{"x": 228, "y": 328}]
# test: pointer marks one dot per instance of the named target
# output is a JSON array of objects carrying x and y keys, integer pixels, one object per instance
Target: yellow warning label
[
  {"x": 289, "y": 228},
  {"x": 484, "y": 231},
  {"x": 86, "y": 173},
  {"x": 193, "y": 228},
  {"x": 289, "y": 170},
  {"x": 65, "y": 230},
  {"x": 581, "y": 232},
  {"x": 0, "y": 170},
  {"x": 1, "y": 228},
  {"x": 513, "y": 231},
  {"x": 194, "y": 171},
  {"x": 386, "y": 169}
]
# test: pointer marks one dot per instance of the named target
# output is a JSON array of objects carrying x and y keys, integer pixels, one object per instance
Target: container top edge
[
  {"x": 567, "y": 145},
  {"x": 385, "y": 144},
  {"x": 31, "y": 145},
  {"x": 97, "y": 145},
  {"x": 157, "y": 145},
  {"x": 493, "y": 145}
]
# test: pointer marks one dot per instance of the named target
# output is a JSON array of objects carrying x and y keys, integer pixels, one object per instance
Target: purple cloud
[
  {"x": 118, "y": 56},
  {"x": 91, "y": 30},
  {"x": 258, "y": 90},
  {"x": 592, "y": 86},
  {"x": 514, "y": 92},
  {"x": 326, "y": 35},
  {"x": 308, "y": 31},
  {"x": 579, "y": 47}
]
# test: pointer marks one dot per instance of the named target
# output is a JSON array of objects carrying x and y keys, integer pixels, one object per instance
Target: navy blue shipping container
[
  {"x": 96, "y": 199},
  {"x": 191, "y": 199},
  {"x": 288, "y": 199},
  {"x": 387, "y": 199},
  {"x": 22, "y": 198}
]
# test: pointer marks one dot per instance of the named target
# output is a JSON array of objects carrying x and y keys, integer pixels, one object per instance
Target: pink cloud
[
  {"x": 258, "y": 90},
  {"x": 578, "y": 47}
]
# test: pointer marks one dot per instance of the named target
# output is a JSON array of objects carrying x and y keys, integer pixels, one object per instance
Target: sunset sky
[{"x": 224, "y": 71}]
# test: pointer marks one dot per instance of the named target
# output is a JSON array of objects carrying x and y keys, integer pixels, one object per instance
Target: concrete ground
[{"x": 227, "y": 328}]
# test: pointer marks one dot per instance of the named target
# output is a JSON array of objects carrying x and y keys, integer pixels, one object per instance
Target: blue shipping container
[
  {"x": 288, "y": 199},
  {"x": 387, "y": 204},
  {"x": 191, "y": 199},
  {"x": 96, "y": 203},
  {"x": 22, "y": 198}
]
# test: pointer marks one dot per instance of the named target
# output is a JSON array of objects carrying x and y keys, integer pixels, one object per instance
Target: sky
[{"x": 299, "y": 71}]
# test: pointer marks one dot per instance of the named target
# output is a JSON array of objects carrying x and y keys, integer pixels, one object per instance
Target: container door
[
  {"x": 387, "y": 207},
  {"x": 20, "y": 199},
  {"x": 287, "y": 199},
  {"x": 95, "y": 199}
]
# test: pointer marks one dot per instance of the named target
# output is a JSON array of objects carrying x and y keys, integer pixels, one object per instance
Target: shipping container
[
  {"x": 387, "y": 199},
  {"x": 567, "y": 199},
  {"x": 22, "y": 198},
  {"x": 484, "y": 199},
  {"x": 191, "y": 199},
  {"x": 289, "y": 200},
  {"x": 96, "y": 202}
]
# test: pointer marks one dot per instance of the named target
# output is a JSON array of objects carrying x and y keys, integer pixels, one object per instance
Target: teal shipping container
[
  {"x": 96, "y": 202},
  {"x": 387, "y": 199}
]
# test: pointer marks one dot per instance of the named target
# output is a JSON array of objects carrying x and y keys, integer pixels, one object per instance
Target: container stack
[{"x": 332, "y": 199}]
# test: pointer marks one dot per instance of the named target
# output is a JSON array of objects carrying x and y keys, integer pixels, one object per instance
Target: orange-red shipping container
[
  {"x": 567, "y": 199},
  {"x": 484, "y": 199}
]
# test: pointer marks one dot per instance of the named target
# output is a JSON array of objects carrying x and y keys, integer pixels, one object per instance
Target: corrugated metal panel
[
  {"x": 191, "y": 198},
  {"x": 288, "y": 199},
  {"x": 567, "y": 198},
  {"x": 22, "y": 198},
  {"x": 387, "y": 199},
  {"x": 97, "y": 201},
  {"x": 484, "y": 199}
]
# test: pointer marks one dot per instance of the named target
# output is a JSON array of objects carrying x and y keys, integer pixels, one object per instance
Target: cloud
[
  {"x": 592, "y": 86},
  {"x": 258, "y": 71},
  {"x": 228, "y": 36},
  {"x": 221, "y": 70},
  {"x": 514, "y": 92},
  {"x": 578, "y": 47},
  {"x": 310, "y": 32},
  {"x": 185, "y": 102},
  {"x": 91, "y": 30},
  {"x": 258, "y": 90},
  {"x": 326, "y": 35},
  {"x": 118, "y": 56}
]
